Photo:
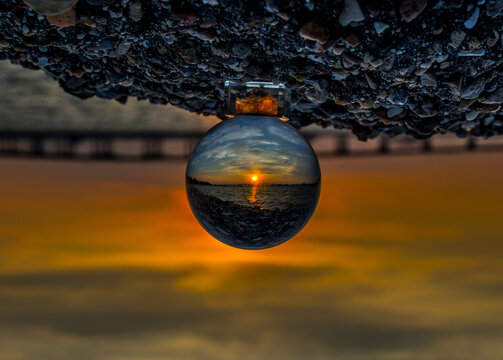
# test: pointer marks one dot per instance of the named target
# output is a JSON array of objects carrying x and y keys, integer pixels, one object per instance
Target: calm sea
[{"x": 265, "y": 196}]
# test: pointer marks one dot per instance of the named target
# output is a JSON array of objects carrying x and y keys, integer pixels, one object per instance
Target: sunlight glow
[{"x": 254, "y": 178}]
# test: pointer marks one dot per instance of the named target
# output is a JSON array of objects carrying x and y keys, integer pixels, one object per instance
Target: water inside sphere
[{"x": 253, "y": 182}]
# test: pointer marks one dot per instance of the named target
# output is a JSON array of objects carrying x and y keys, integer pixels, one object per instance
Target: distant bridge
[
  {"x": 170, "y": 145},
  {"x": 99, "y": 144}
]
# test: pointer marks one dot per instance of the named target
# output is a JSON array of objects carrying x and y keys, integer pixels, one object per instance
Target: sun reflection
[{"x": 253, "y": 198}]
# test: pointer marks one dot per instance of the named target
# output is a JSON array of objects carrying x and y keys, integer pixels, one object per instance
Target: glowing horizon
[{"x": 260, "y": 146}]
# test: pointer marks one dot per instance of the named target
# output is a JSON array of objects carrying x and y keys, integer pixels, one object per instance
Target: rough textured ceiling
[{"x": 415, "y": 66}]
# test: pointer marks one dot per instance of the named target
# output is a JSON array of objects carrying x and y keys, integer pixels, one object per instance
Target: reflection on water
[
  {"x": 253, "y": 198},
  {"x": 265, "y": 196},
  {"x": 253, "y": 217}
]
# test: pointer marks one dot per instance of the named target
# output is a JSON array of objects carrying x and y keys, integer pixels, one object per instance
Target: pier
[{"x": 154, "y": 145}]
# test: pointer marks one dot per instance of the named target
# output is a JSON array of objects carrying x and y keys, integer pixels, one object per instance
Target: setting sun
[{"x": 254, "y": 178}]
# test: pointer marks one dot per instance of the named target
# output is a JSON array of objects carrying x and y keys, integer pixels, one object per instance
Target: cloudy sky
[
  {"x": 30, "y": 99},
  {"x": 402, "y": 260},
  {"x": 239, "y": 147}
]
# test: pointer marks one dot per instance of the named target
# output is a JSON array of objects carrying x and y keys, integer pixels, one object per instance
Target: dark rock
[
  {"x": 394, "y": 111},
  {"x": 465, "y": 103},
  {"x": 494, "y": 7},
  {"x": 376, "y": 62},
  {"x": 470, "y": 53},
  {"x": 398, "y": 96},
  {"x": 135, "y": 11},
  {"x": 457, "y": 37},
  {"x": 123, "y": 48},
  {"x": 492, "y": 40},
  {"x": 488, "y": 108},
  {"x": 424, "y": 109},
  {"x": 76, "y": 72},
  {"x": 473, "y": 90},
  {"x": 188, "y": 53},
  {"x": 410, "y": 9},
  {"x": 472, "y": 20},
  {"x": 74, "y": 83},
  {"x": 207, "y": 35},
  {"x": 62, "y": 20},
  {"x": 472, "y": 115},
  {"x": 352, "y": 59},
  {"x": 380, "y": 27},
  {"x": 353, "y": 40},
  {"x": 351, "y": 12},
  {"x": 339, "y": 74},
  {"x": 314, "y": 31},
  {"x": 428, "y": 80},
  {"x": 444, "y": 65},
  {"x": 370, "y": 81},
  {"x": 271, "y": 6},
  {"x": 241, "y": 50},
  {"x": 495, "y": 97},
  {"x": 50, "y": 7}
]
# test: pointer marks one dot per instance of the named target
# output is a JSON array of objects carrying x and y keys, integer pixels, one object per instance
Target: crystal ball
[{"x": 253, "y": 182}]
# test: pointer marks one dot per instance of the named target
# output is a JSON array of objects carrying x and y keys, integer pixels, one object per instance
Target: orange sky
[{"x": 402, "y": 260}]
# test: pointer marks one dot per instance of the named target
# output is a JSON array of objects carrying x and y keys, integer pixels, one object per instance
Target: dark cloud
[{"x": 251, "y": 303}]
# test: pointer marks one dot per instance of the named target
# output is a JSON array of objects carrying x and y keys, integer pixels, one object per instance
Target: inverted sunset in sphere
[
  {"x": 253, "y": 182},
  {"x": 238, "y": 149}
]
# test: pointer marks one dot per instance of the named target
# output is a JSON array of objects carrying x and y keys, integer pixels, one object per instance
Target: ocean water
[{"x": 267, "y": 197}]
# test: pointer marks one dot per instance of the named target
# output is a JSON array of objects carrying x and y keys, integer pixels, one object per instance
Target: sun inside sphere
[{"x": 253, "y": 182}]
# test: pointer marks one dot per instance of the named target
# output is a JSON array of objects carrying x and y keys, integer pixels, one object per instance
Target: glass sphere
[{"x": 253, "y": 182}]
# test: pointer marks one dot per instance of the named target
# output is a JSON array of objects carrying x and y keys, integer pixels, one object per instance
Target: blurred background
[{"x": 101, "y": 258}]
